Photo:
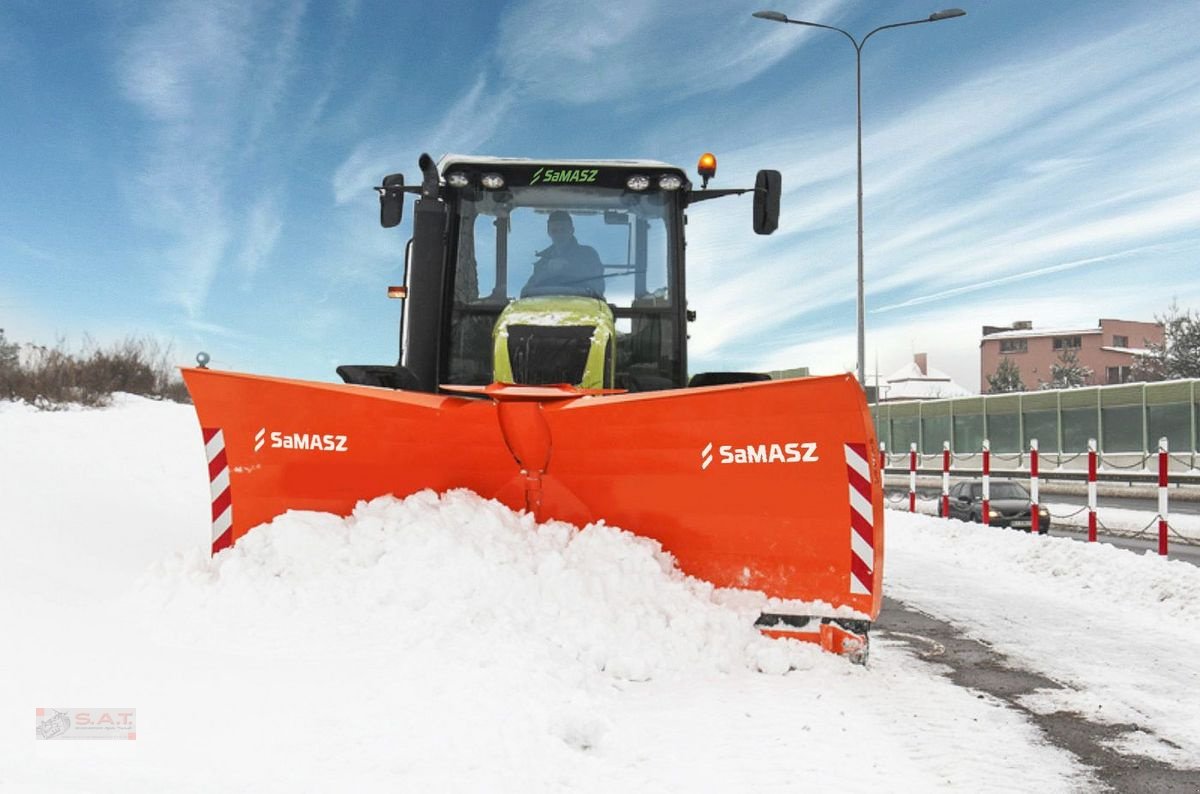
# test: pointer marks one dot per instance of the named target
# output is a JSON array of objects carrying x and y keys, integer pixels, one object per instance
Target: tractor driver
[{"x": 566, "y": 267}]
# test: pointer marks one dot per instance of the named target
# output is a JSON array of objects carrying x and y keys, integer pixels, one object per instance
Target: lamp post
[{"x": 775, "y": 16}]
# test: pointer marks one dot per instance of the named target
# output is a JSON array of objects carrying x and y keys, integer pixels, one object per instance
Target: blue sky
[{"x": 201, "y": 171}]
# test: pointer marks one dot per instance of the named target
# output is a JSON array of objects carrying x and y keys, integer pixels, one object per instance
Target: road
[{"x": 1149, "y": 504}]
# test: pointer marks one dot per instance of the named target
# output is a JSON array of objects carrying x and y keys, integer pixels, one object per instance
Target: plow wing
[{"x": 771, "y": 486}]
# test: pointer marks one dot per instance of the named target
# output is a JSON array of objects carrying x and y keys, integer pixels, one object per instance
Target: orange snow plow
[{"x": 750, "y": 483}]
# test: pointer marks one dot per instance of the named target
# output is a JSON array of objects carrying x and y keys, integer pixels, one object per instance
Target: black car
[{"x": 1008, "y": 506}]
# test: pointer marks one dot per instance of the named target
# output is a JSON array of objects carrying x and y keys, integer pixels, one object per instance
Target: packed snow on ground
[
  {"x": 444, "y": 642},
  {"x": 1120, "y": 630}
]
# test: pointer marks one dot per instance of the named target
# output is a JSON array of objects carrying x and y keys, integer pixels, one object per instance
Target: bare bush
[{"x": 54, "y": 377}]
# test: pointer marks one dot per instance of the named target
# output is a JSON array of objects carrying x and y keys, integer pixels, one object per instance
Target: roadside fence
[{"x": 1095, "y": 467}]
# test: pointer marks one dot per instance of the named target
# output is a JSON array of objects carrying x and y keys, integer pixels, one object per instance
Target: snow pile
[
  {"x": 1121, "y": 630},
  {"x": 464, "y": 569}
]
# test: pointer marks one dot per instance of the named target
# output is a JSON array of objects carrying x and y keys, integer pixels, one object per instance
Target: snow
[
  {"x": 1183, "y": 527},
  {"x": 1121, "y": 630},
  {"x": 444, "y": 642}
]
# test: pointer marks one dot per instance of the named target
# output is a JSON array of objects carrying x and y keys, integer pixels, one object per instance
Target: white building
[{"x": 919, "y": 381}]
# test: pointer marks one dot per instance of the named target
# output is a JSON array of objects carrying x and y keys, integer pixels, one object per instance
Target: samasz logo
[
  {"x": 787, "y": 452},
  {"x": 572, "y": 175},
  {"x": 312, "y": 442}
]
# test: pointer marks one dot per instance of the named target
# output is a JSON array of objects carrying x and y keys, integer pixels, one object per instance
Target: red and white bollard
[
  {"x": 986, "y": 511},
  {"x": 1091, "y": 490},
  {"x": 1033, "y": 486},
  {"x": 1163, "y": 459},
  {"x": 945, "y": 479},
  {"x": 882, "y": 457},
  {"x": 912, "y": 478}
]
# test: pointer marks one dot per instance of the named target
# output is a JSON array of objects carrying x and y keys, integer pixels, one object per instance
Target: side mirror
[
  {"x": 391, "y": 200},
  {"x": 767, "y": 188}
]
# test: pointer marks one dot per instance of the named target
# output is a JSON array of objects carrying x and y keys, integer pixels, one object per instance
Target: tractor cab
[{"x": 547, "y": 272}]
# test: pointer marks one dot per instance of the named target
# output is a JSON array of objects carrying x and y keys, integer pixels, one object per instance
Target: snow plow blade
[{"x": 772, "y": 486}]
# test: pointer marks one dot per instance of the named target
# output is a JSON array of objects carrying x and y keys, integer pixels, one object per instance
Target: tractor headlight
[
  {"x": 637, "y": 182},
  {"x": 492, "y": 181},
  {"x": 459, "y": 179},
  {"x": 670, "y": 182}
]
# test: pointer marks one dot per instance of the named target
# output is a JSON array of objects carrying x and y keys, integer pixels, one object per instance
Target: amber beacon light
[{"x": 707, "y": 167}]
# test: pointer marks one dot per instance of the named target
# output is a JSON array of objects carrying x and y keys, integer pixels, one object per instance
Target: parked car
[{"x": 1008, "y": 506}]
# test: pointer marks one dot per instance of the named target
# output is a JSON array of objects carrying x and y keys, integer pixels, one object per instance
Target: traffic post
[
  {"x": 945, "y": 479},
  {"x": 1163, "y": 459},
  {"x": 912, "y": 477},
  {"x": 1033, "y": 486},
  {"x": 986, "y": 513},
  {"x": 1091, "y": 488}
]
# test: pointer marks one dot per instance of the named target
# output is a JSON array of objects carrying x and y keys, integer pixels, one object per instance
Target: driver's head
[{"x": 560, "y": 227}]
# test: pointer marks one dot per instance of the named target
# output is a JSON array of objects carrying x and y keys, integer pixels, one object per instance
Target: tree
[
  {"x": 1178, "y": 355},
  {"x": 9, "y": 354},
  {"x": 1067, "y": 372},
  {"x": 1006, "y": 378}
]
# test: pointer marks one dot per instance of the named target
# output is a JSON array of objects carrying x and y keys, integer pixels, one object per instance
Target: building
[
  {"x": 918, "y": 381},
  {"x": 1108, "y": 350}
]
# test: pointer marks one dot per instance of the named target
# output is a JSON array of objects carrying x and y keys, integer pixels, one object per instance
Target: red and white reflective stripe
[
  {"x": 987, "y": 476},
  {"x": 1091, "y": 490},
  {"x": 946, "y": 479},
  {"x": 218, "y": 481},
  {"x": 862, "y": 520},
  {"x": 912, "y": 477},
  {"x": 1163, "y": 459},
  {"x": 1033, "y": 485}
]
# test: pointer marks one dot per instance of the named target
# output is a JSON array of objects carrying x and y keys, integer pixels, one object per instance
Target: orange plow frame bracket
[{"x": 767, "y": 486}]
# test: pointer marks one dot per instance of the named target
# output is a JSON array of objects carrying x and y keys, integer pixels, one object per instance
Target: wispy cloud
[
  {"x": 630, "y": 49},
  {"x": 464, "y": 126},
  {"x": 1013, "y": 278},
  {"x": 262, "y": 228},
  {"x": 208, "y": 89}
]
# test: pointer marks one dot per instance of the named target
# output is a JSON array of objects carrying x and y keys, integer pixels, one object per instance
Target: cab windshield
[{"x": 605, "y": 243}]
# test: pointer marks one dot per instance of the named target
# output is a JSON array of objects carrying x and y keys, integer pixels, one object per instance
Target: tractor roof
[{"x": 470, "y": 159}]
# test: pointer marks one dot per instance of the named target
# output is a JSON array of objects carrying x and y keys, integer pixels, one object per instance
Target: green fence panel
[
  {"x": 1122, "y": 428},
  {"x": 1042, "y": 425},
  {"x": 904, "y": 432},
  {"x": 934, "y": 431},
  {"x": 968, "y": 432},
  {"x": 1173, "y": 420},
  {"x": 1079, "y": 425}
]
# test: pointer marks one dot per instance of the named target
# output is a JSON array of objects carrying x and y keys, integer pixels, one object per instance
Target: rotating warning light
[{"x": 707, "y": 167}]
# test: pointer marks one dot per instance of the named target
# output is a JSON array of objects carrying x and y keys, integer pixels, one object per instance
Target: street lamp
[{"x": 775, "y": 16}]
